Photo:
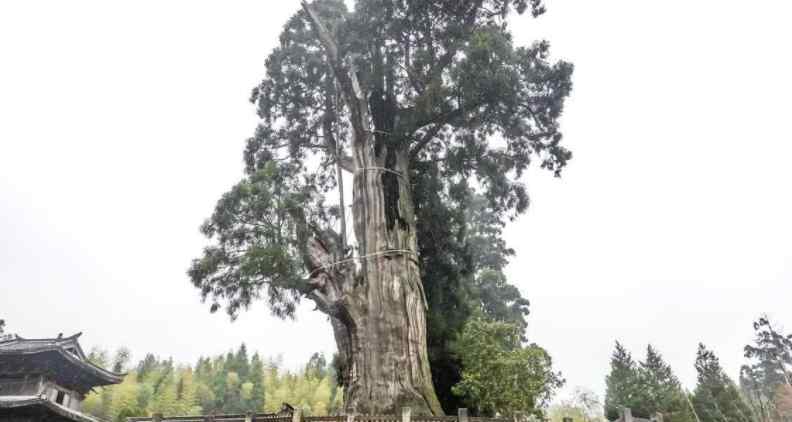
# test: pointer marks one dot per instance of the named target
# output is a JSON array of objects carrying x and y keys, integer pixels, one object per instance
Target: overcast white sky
[{"x": 121, "y": 123}]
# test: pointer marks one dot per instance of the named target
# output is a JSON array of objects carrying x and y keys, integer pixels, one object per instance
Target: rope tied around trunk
[
  {"x": 364, "y": 257},
  {"x": 362, "y": 169},
  {"x": 381, "y": 132}
]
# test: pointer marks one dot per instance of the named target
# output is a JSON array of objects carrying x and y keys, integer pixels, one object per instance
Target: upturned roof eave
[
  {"x": 16, "y": 402},
  {"x": 101, "y": 373}
]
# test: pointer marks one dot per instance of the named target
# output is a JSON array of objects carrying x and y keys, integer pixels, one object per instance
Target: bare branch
[{"x": 347, "y": 80}]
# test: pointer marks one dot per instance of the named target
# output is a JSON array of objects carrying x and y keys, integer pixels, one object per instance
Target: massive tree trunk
[
  {"x": 376, "y": 301},
  {"x": 378, "y": 310},
  {"x": 387, "y": 311}
]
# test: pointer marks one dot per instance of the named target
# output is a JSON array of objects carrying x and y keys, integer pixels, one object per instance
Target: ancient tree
[{"x": 385, "y": 95}]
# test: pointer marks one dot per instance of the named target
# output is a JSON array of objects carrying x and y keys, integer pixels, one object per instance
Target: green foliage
[
  {"x": 623, "y": 385},
  {"x": 258, "y": 227},
  {"x": 462, "y": 268},
  {"x": 420, "y": 63},
  {"x": 646, "y": 387},
  {"x": 766, "y": 373},
  {"x": 716, "y": 398},
  {"x": 500, "y": 375},
  {"x": 224, "y": 384},
  {"x": 754, "y": 388},
  {"x": 662, "y": 390},
  {"x": 420, "y": 66}
]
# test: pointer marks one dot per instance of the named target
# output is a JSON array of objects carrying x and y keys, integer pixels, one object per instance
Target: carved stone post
[
  {"x": 627, "y": 415},
  {"x": 157, "y": 417},
  {"x": 297, "y": 415},
  {"x": 406, "y": 413},
  {"x": 462, "y": 415}
]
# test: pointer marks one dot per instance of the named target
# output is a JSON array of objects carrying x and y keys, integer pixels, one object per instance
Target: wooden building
[{"x": 46, "y": 380}]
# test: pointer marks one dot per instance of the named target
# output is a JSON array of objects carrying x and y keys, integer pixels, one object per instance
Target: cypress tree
[
  {"x": 716, "y": 398},
  {"x": 380, "y": 96},
  {"x": 623, "y": 385},
  {"x": 661, "y": 390}
]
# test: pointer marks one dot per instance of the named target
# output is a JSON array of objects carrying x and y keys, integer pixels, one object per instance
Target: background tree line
[
  {"x": 763, "y": 393},
  {"x": 223, "y": 384}
]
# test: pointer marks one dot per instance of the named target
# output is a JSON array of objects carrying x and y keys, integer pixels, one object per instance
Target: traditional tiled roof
[
  {"x": 18, "y": 343},
  {"x": 42, "y": 403},
  {"x": 61, "y": 358}
]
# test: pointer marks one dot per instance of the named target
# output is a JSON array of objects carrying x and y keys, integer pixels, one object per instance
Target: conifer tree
[
  {"x": 767, "y": 373},
  {"x": 752, "y": 385},
  {"x": 242, "y": 363},
  {"x": 257, "y": 378},
  {"x": 716, "y": 398},
  {"x": 623, "y": 385},
  {"x": 661, "y": 390},
  {"x": 773, "y": 352},
  {"x": 121, "y": 360},
  {"x": 390, "y": 93}
]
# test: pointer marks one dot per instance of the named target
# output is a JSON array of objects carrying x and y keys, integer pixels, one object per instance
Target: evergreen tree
[
  {"x": 462, "y": 264},
  {"x": 773, "y": 352},
  {"x": 756, "y": 393},
  {"x": 242, "y": 363},
  {"x": 385, "y": 92},
  {"x": 317, "y": 366},
  {"x": 98, "y": 357},
  {"x": 761, "y": 379},
  {"x": 147, "y": 365},
  {"x": 121, "y": 360},
  {"x": 256, "y": 402},
  {"x": 661, "y": 390},
  {"x": 716, "y": 398},
  {"x": 623, "y": 386}
]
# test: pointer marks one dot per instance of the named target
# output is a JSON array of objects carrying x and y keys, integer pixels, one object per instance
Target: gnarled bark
[
  {"x": 378, "y": 312},
  {"x": 377, "y": 307}
]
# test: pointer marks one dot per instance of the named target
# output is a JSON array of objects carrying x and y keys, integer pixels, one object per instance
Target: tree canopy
[
  {"x": 622, "y": 384},
  {"x": 765, "y": 380},
  {"x": 716, "y": 397},
  {"x": 428, "y": 106},
  {"x": 231, "y": 383},
  {"x": 500, "y": 375},
  {"x": 423, "y": 62}
]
